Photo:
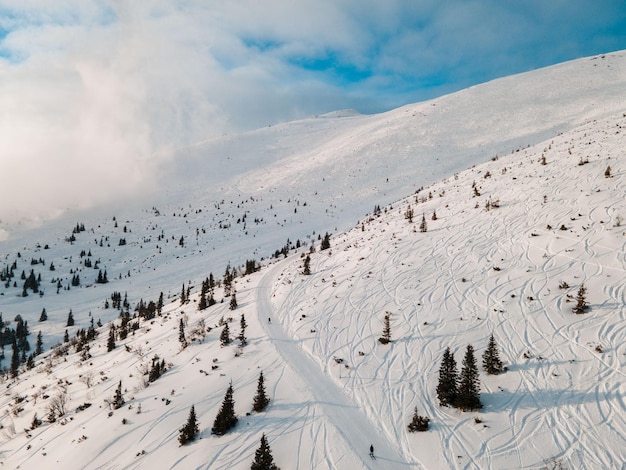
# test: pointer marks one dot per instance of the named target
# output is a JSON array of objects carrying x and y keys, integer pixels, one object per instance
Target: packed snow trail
[{"x": 351, "y": 423}]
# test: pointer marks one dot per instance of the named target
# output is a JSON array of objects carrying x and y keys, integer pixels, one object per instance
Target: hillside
[{"x": 508, "y": 235}]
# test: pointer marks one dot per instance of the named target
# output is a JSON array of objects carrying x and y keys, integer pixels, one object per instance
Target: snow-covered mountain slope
[{"x": 334, "y": 388}]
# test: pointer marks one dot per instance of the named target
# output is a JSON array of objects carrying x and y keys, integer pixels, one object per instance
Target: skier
[{"x": 372, "y": 451}]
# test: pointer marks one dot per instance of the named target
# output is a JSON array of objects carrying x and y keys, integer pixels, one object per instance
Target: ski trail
[{"x": 350, "y": 421}]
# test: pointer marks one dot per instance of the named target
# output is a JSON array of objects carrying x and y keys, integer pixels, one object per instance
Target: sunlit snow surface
[{"x": 473, "y": 273}]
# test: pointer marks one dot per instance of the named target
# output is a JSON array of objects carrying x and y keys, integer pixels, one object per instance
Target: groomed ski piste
[{"x": 503, "y": 238}]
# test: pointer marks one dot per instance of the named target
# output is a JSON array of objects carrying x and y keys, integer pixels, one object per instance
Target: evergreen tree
[
  {"x": 447, "y": 386},
  {"x": 160, "y": 303},
  {"x": 468, "y": 391},
  {"x": 118, "y": 399},
  {"x": 183, "y": 297},
  {"x": 39, "y": 344},
  {"x": 260, "y": 401},
  {"x": 581, "y": 300},
  {"x": 225, "y": 336},
  {"x": 43, "y": 316},
  {"x": 386, "y": 337},
  {"x": 242, "y": 334},
  {"x": 111, "y": 340},
  {"x": 226, "y": 418},
  {"x": 190, "y": 429},
  {"x": 15, "y": 360},
  {"x": 418, "y": 423},
  {"x": 181, "y": 334},
  {"x": 70, "y": 319},
  {"x": 211, "y": 290},
  {"x": 157, "y": 369},
  {"x": 233, "y": 300},
  {"x": 491, "y": 358},
  {"x": 325, "y": 245},
  {"x": 66, "y": 337},
  {"x": 263, "y": 459},
  {"x": 203, "y": 301},
  {"x": 306, "y": 270},
  {"x": 423, "y": 225}
]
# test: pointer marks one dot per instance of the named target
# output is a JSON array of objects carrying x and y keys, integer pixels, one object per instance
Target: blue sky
[
  {"x": 112, "y": 82},
  {"x": 292, "y": 59}
]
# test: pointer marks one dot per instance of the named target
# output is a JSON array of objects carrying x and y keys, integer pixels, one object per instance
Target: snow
[{"x": 334, "y": 388}]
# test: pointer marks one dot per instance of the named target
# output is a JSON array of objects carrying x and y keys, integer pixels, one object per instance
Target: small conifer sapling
[{"x": 418, "y": 423}]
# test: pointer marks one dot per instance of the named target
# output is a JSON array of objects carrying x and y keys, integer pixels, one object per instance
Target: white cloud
[{"x": 95, "y": 92}]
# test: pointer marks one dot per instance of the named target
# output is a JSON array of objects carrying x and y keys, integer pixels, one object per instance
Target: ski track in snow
[
  {"x": 347, "y": 418},
  {"x": 334, "y": 388}
]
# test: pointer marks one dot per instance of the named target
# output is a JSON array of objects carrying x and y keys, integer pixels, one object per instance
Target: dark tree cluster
[
  {"x": 146, "y": 311},
  {"x": 102, "y": 277},
  {"x": 157, "y": 369},
  {"x": 207, "y": 293},
  {"x": 459, "y": 390},
  {"x": 325, "y": 245},
  {"x": 30, "y": 282}
]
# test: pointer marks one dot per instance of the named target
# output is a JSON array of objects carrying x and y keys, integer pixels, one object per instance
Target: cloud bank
[{"x": 95, "y": 94}]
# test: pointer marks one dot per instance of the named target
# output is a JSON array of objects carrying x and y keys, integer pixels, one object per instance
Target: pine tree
[
  {"x": 468, "y": 391},
  {"x": 211, "y": 290},
  {"x": 325, "y": 245},
  {"x": 306, "y": 270},
  {"x": 423, "y": 225},
  {"x": 263, "y": 459},
  {"x": 160, "y": 303},
  {"x": 242, "y": 334},
  {"x": 183, "y": 297},
  {"x": 203, "y": 302},
  {"x": 181, "y": 334},
  {"x": 66, "y": 337},
  {"x": 447, "y": 386},
  {"x": 190, "y": 429},
  {"x": 111, "y": 340},
  {"x": 15, "y": 360},
  {"x": 386, "y": 337},
  {"x": 70, "y": 319},
  {"x": 39, "y": 344},
  {"x": 581, "y": 300},
  {"x": 43, "y": 316},
  {"x": 418, "y": 423},
  {"x": 118, "y": 399},
  {"x": 226, "y": 418},
  {"x": 491, "y": 358},
  {"x": 260, "y": 401},
  {"x": 233, "y": 300},
  {"x": 225, "y": 336}
]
